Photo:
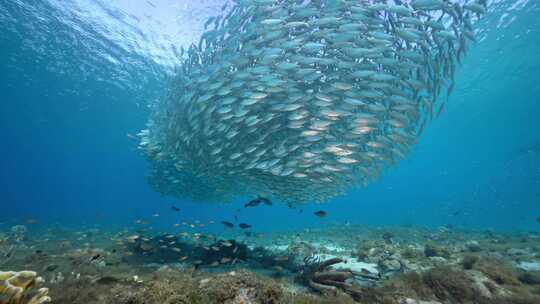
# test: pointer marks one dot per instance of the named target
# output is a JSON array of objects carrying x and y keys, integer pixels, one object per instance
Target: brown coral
[{"x": 22, "y": 288}]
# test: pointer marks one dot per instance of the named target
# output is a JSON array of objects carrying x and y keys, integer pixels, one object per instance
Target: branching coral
[{"x": 22, "y": 288}]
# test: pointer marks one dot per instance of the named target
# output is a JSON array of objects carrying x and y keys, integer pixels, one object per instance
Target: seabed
[{"x": 341, "y": 264}]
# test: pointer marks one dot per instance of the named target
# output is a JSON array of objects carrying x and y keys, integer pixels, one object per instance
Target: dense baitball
[{"x": 302, "y": 100}]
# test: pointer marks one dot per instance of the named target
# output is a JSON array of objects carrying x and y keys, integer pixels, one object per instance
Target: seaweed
[
  {"x": 448, "y": 284},
  {"x": 432, "y": 250},
  {"x": 440, "y": 283},
  {"x": 499, "y": 271},
  {"x": 408, "y": 284}
]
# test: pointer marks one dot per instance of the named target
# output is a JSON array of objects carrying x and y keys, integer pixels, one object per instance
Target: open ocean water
[{"x": 456, "y": 221}]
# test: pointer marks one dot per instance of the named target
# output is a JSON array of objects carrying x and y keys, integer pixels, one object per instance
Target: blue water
[{"x": 76, "y": 77}]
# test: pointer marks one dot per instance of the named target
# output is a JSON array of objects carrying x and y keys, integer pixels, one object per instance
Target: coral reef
[
  {"x": 22, "y": 288},
  {"x": 332, "y": 265}
]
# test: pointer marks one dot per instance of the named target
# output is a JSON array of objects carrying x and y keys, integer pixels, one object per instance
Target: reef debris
[{"x": 318, "y": 276}]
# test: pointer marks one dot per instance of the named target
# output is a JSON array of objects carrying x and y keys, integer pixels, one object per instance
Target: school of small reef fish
[{"x": 302, "y": 100}]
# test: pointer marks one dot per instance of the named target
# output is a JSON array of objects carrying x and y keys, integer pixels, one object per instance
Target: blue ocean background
[{"x": 76, "y": 77}]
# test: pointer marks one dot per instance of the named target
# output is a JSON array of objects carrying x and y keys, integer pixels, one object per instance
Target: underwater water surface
[{"x": 78, "y": 79}]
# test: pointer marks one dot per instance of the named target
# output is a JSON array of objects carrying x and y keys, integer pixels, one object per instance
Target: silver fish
[{"x": 302, "y": 100}]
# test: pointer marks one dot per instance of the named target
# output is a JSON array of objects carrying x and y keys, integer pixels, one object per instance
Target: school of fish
[{"x": 302, "y": 100}]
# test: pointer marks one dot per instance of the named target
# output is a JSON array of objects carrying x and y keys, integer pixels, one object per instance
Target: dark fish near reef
[
  {"x": 538, "y": 220},
  {"x": 227, "y": 224},
  {"x": 174, "y": 208},
  {"x": 8, "y": 253},
  {"x": 244, "y": 226},
  {"x": 387, "y": 237},
  {"x": 256, "y": 202},
  {"x": 456, "y": 213},
  {"x": 253, "y": 203},
  {"x": 320, "y": 213},
  {"x": 95, "y": 257},
  {"x": 266, "y": 201}
]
